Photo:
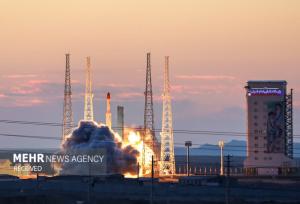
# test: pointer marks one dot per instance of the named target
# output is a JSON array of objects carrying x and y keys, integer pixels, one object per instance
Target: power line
[
  {"x": 58, "y": 139},
  {"x": 232, "y": 150},
  {"x": 30, "y": 136},
  {"x": 197, "y": 132},
  {"x": 22, "y": 122}
]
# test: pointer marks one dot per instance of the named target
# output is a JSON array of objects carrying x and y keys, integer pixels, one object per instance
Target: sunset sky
[{"x": 215, "y": 47}]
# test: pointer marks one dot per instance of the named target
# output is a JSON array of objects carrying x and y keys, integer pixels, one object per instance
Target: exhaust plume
[{"x": 120, "y": 159}]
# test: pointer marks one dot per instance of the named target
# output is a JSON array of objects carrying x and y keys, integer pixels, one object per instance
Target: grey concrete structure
[{"x": 120, "y": 121}]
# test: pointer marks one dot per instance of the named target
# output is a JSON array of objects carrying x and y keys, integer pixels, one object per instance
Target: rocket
[{"x": 108, "y": 113}]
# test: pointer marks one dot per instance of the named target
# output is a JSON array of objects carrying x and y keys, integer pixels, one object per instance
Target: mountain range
[{"x": 234, "y": 147}]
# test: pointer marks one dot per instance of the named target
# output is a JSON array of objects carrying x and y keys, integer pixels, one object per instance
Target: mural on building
[{"x": 275, "y": 127}]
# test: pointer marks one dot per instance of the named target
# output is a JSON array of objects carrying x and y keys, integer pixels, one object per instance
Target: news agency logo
[
  {"x": 42, "y": 158},
  {"x": 72, "y": 163}
]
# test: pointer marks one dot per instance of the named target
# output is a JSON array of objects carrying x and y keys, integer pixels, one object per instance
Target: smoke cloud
[{"x": 91, "y": 136}]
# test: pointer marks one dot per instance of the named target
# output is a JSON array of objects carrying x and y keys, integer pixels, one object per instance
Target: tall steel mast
[
  {"x": 167, "y": 160},
  {"x": 88, "y": 99},
  {"x": 68, "y": 123}
]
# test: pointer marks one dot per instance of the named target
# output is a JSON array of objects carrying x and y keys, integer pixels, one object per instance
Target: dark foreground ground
[{"x": 81, "y": 190}]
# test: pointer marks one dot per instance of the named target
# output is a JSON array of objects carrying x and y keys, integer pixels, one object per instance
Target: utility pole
[
  {"x": 138, "y": 171},
  {"x": 221, "y": 145},
  {"x": 89, "y": 185},
  {"x": 188, "y": 144},
  {"x": 152, "y": 178},
  {"x": 228, "y": 166}
]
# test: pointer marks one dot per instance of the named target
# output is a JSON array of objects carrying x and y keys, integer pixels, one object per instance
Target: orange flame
[{"x": 145, "y": 157}]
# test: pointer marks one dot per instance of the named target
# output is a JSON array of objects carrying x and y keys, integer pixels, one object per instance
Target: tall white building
[{"x": 270, "y": 128}]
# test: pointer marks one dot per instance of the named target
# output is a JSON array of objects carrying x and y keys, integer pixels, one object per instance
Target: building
[{"x": 270, "y": 128}]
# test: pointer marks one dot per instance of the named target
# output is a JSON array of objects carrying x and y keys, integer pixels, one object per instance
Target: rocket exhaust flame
[{"x": 134, "y": 139}]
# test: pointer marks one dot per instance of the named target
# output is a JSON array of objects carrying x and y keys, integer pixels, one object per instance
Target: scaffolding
[
  {"x": 167, "y": 159},
  {"x": 289, "y": 125},
  {"x": 68, "y": 123},
  {"x": 88, "y": 99},
  {"x": 149, "y": 130}
]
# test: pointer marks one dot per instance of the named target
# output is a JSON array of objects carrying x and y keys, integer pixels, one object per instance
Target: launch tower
[
  {"x": 149, "y": 133},
  {"x": 67, "y": 110},
  {"x": 88, "y": 99},
  {"x": 167, "y": 161}
]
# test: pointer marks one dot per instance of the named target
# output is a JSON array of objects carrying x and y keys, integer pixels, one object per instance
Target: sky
[{"x": 215, "y": 47}]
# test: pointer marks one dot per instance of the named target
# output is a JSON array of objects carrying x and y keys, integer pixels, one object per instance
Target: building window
[
  {"x": 256, "y": 138},
  {"x": 255, "y": 124},
  {"x": 255, "y": 103},
  {"x": 255, "y": 151},
  {"x": 255, "y": 117},
  {"x": 256, "y": 158},
  {"x": 255, "y": 145}
]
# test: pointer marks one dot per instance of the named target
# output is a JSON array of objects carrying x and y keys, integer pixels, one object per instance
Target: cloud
[
  {"x": 29, "y": 92},
  {"x": 21, "y": 101},
  {"x": 297, "y": 104},
  {"x": 2, "y": 95},
  {"x": 129, "y": 95},
  {"x": 19, "y": 76},
  {"x": 117, "y": 85},
  {"x": 73, "y": 81},
  {"x": 26, "y": 102},
  {"x": 39, "y": 81},
  {"x": 202, "y": 89},
  {"x": 177, "y": 88},
  {"x": 206, "y": 77},
  {"x": 24, "y": 91},
  {"x": 28, "y": 88}
]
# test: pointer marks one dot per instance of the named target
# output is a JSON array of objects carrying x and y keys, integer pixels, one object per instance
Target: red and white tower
[{"x": 108, "y": 112}]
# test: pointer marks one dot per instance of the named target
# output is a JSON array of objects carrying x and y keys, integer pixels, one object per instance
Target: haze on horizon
[{"x": 215, "y": 47}]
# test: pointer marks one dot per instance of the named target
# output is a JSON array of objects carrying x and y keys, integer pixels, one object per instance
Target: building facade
[{"x": 270, "y": 127}]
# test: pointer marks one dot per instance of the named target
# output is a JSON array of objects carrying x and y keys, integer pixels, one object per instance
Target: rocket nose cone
[{"x": 108, "y": 96}]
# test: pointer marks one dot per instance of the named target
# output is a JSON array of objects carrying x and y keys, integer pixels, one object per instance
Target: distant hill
[{"x": 234, "y": 147}]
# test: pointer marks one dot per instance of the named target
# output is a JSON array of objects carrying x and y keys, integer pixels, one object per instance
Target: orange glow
[
  {"x": 129, "y": 175},
  {"x": 145, "y": 150}
]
